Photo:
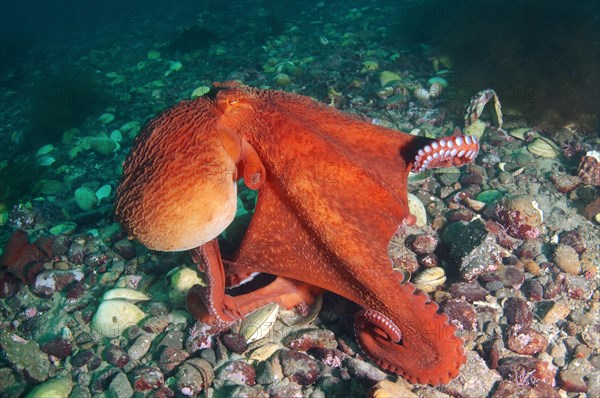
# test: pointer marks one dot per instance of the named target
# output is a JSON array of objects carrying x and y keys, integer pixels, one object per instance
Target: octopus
[{"x": 332, "y": 191}]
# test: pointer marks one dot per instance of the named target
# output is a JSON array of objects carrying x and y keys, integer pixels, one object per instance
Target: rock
[
  {"x": 170, "y": 358},
  {"x": 305, "y": 340},
  {"x": 58, "y": 347},
  {"x": 48, "y": 282},
  {"x": 564, "y": 182},
  {"x": 82, "y": 358},
  {"x": 114, "y": 316},
  {"x": 575, "y": 240},
  {"x": 558, "y": 311},
  {"x": 363, "y": 371},
  {"x": 578, "y": 287},
  {"x": 148, "y": 378},
  {"x": 120, "y": 387},
  {"x": 474, "y": 380},
  {"x": 567, "y": 259},
  {"x": 422, "y": 244},
  {"x": 520, "y": 215},
  {"x": 234, "y": 342},
  {"x": 193, "y": 376},
  {"x": 591, "y": 336},
  {"x": 140, "y": 346},
  {"x": 285, "y": 389},
  {"x": 155, "y": 324},
  {"x": 472, "y": 247},
  {"x": 237, "y": 372},
  {"x": 572, "y": 381},
  {"x": 469, "y": 291},
  {"x": 517, "y": 312},
  {"x": 25, "y": 357},
  {"x": 299, "y": 367},
  {"x": 125, "y": 249},
  {"x": 116, "y": 356},
  {"x": 525, "y": 340},
  {"x": 59, "y": 387},
  {"x": 527, "y": 370},
  {"x": 461, "y": 314}
]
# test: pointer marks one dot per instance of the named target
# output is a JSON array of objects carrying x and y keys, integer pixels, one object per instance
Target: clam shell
[
  {"x": 421, "y": 94},
  {"x": 436, "y": 89},
  {"x": 259, "y": 323},
  {"x": 429, "y": 279},
  {"x": 543, "y": 147},
  {"x": 124, "y": 293},
  {"x": 521, "y": 133},
  {"x": 264, "y": 352}
]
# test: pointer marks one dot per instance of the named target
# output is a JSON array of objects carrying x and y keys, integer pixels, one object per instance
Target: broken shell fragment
[{"x": 429, "y": 279}]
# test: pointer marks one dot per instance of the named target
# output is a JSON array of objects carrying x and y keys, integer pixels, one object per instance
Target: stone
[
  {"x": 567, "y": 259},
  {"x": 525, "y": 340},
  {"x": 58, "y": 347},
  {"x": 363, "y": 371},
  {"x": 48, "y": 282},
  {"x": 517, "y": 311},
  {"x": 305, "y": 340},
  {"x": 527, "y": 370},
  {"x": 469, "y": 291},
  {"x": 461, "y": 314},
  {"x": 299, "y": 367},
  {"x": 472, "y": 247},
  {"x": 140, "y": 346},
  {"x": 116, "y": 356},
  {"x": 170, "y": 358},
  {"x": 237, "y": 372},
  {"x": 25, "y": 357},
  {"x": 474, "y": 380},
  {"x": 120, "y": 387},
  {"x": 148, "y": 378},
  {"x": 558, "y": 311},
  {"x": 564, "y": 182}
]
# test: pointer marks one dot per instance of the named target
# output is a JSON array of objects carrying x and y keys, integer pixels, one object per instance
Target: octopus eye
[{"x": 234, "y": 102}]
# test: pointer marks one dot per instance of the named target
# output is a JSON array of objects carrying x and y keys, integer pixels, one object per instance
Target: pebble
[
  {"x": 517, "y": 312},
  {"x": 591, "y": 336},
  {"x": 422, "y": 244},
  {"x": 237, "y": 372},
  {"x": 526, "y": 369},
  {"x": 299, "y": 367},
  {"x": 461, "y": 314},
  {"x": 578, "y": 287},
  {"x": 147, "y": 378},
  {"x": 120, "y": 387},
  {"x": 558, "y": 311},
  {"x": 140, "y": 346},
  {"x": 526, "y": 340},
  {"x": 234, "y": 342},
  {"x": 170, "y": 358},
  {"x": 472, "y": 247},
  {"x": 363, "y": 371},
  {"x": 285, "y": 389},
  {"x": 469, "y": 291},
  {"x": 125, "y": 249},
  {"x": 567, "y": 259},
  {"x": 58, "y": 347},
  {"x": 155, "y": 324},
  {"x": 474, "y": 380},
  {"x": 564, "y": 182},
  {"x": 48, "y": 282},
  {"x": 116, "y": 356},
  {"x": 25, "y": 357},
  {"x": 575, "y": 240},
  {"x": 571, "y": 379},
  {"x": 305, "y": 340},
  {"x": 193, "y": 376}
]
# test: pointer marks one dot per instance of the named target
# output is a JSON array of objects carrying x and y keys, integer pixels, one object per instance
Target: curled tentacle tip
[{"x": 446, "y": 151}]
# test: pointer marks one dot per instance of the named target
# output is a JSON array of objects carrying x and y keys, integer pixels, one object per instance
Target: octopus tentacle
[
  {"x": 380, "y": 321},
  {"x": 407, "y": 358},
  {"x": 446, "y": 151}
]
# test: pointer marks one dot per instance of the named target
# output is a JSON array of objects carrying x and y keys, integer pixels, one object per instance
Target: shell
[
  {"x": 65, "y": 228},
  {"x": 388, "y": 389},
  {"x": 114, "y": 316},
  {"x": 181, "y": 281},
  {"x": 259, "y": 323},
  {"x": 543, "y": 147},
  {"x": 417, "y": 209},
  {"x": 264, "y": 352},
  {"x": 86, "y": 199},
  {"x": 421, "y": 94},
  {"x": 58, "y": 387},
  {"x": 387, "y": 77},
  {"x": 125, "y": 294},
  {"x": 589, "y": 168},
  {"x": 429, "y": 279},
  {"x": 523, "y": 133},
  {"x": 436, "y": 89}
]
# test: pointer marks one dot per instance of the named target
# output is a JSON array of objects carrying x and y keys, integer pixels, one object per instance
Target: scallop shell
[
  {"x": 543, "y": 147},
  {"x": 259, "y": 323},
  {"x": 589, "y": 168},
  {"x": 421, "y": 94},
  {"x": 523, "y": 133},
  {"x": 436, "y": 89},
  {"x": 429, "y": 279}
]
